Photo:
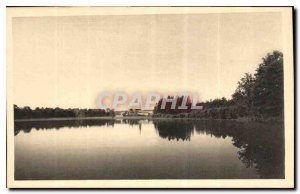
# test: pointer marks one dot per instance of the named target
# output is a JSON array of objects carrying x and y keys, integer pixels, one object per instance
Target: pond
[{"x": 148, "y": 149}]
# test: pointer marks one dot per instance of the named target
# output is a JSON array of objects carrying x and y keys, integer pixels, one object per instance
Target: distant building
[{"x": 137, "y": 112}]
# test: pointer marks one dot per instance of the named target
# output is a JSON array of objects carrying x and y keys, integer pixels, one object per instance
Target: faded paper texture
[{"x": 239, "y": 60}]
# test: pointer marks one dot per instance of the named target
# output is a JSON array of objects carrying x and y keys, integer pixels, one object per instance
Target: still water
[{"x": 148, "y": 149}]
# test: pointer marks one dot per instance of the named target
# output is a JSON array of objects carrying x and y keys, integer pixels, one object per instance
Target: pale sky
[{"x": 67, "y": 61}]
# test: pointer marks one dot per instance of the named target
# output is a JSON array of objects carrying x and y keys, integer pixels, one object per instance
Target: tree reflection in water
[
  {"x": 174, "y": 130},
  {"x": 261, "y": 145},
  {"x": 27, "y": 126}
]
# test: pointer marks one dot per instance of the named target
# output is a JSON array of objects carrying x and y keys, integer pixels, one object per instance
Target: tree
[
  {"x": 268, "y": 87},
  {"x": 112, "y": 113},
  {"x": 244, "y": 91}
]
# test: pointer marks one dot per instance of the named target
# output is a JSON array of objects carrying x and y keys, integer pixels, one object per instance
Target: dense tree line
[
  {"x": 168, "y": 107},
  {"x": 262, "y": 93},
  {"x": 259, "y": 95},
  {"x": 27, "y": 112}
]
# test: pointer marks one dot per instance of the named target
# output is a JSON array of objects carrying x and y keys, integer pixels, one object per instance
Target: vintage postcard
[{"x": 150, "y": 97}]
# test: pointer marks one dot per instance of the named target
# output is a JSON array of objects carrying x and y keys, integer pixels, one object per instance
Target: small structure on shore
[
  {"x": 137, "y": 112},
  {"x": 134, "y": 113}
]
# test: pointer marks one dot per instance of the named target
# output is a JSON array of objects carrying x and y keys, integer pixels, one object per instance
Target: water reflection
[
  {"x": 27, "y": 126},
  {"x": 260, "y": 145},
  {"x": 175, "y": 130}
]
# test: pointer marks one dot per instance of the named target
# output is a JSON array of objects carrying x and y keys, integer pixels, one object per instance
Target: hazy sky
[{"x": 68, "y": 61}]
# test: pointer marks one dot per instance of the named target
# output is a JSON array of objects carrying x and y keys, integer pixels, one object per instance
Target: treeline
[
  {"x": 259, "y": 95},
  {"x": 168, "y": 106},
  {"x": 26, "y": 112},
  {"x": 262, "y": 93}
]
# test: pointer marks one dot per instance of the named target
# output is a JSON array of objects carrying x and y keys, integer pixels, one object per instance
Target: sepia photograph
[{"x": 150, "y": 97}]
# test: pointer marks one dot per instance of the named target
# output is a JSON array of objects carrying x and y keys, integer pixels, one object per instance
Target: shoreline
[{"x": 242, "y": 119}]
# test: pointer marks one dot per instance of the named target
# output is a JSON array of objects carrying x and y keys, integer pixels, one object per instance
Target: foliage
[
  {"x": 259, "y": 95},
  {"x": 263, "y": 92},
  {"x": 244, "y": 91},
  {"x": 268, "y": 88},
  {"x": 27, "y": 112},
  {"x": 168, "y": 108}
]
